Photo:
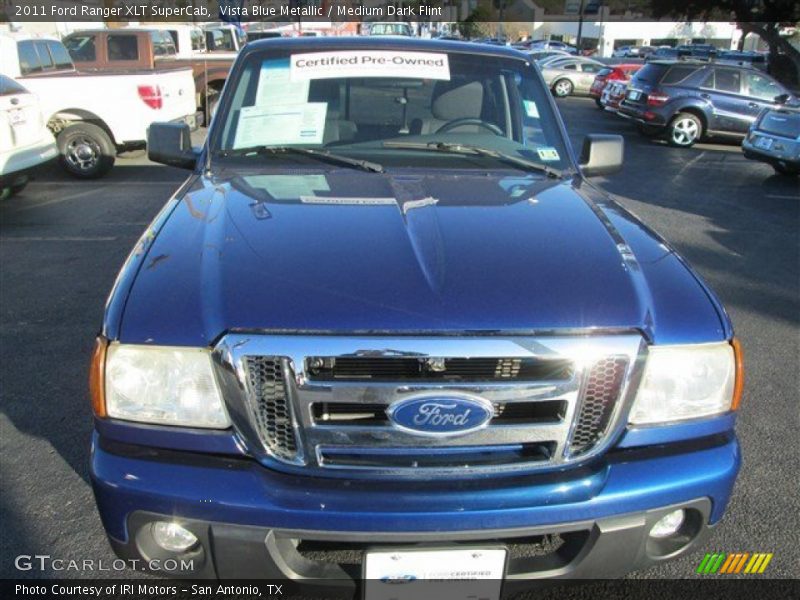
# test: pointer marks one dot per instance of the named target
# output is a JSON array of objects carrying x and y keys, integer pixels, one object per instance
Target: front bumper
[{"x": 246, "y": 516}]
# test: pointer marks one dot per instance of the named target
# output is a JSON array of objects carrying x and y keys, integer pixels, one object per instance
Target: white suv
[{"x": 25, "y": 140}]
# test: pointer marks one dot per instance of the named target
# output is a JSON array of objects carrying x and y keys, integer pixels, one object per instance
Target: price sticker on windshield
[{"x": 369, "y": 63}]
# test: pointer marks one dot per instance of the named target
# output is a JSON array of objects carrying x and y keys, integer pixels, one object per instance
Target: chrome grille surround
[{"x": 577, "y": 437}]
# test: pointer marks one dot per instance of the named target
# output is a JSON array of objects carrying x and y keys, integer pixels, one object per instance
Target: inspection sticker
[
  {"x": 369, "y": 63},
  {"x": 547, "y": 153},
  {"x": 531, "y": 109}
]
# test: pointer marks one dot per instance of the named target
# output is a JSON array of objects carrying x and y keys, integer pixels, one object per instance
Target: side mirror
[
  {"x": 782, "y": 99},
  {"x": 171, "y": 144},
  {"x": 601, "y": 154}
]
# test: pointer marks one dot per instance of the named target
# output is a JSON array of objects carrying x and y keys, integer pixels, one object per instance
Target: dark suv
[{"x": 687, "y": 100}]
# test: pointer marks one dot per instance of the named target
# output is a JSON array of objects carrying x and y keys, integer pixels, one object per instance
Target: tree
[
  {"x": 763, "y": 18},
  {"x": 477, "y": 23}
]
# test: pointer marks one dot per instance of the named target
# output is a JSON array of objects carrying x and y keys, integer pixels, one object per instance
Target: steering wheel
[{"x": 470, "y": 121}]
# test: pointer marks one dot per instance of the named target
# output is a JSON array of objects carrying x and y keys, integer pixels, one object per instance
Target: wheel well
[
  {"x": 692, "y": 110},
  {"x": 59, "y": 121}
]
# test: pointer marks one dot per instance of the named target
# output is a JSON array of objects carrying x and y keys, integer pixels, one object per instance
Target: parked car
[
  {"x": 608, "y": 74},
  {"x": 613, "y": 94},
  {"x": 391, "y": 28},
  {"x": 758, "y": 60},
  {"x": 25, "y": 141},
  {"x": 633, "y": 51},
  {"x": 571, "y": 76},
  {"x": 154, "y": 49},
  {"x": 253, "y": 35},
  {"x": 540, "y": 45},
  {"x": 663, "y": 53},
  {"x": 224, "y": 37},
  {"x": 403, "y": 334},
  {"x": 189, "y": 40},
  {"x": 686, "y": 100},
  {"x": 95, "y": 114},
  {"x": 541, "y": 55},
  {"x": 774, "y": 138},
  {"x": 697, "y": 51}
]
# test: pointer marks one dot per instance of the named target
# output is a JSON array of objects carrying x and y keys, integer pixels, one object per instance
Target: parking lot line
[{"x": 88, "y": 192}]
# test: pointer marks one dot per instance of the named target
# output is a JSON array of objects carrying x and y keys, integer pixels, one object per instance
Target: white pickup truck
[{"x": 95, "y": 115}]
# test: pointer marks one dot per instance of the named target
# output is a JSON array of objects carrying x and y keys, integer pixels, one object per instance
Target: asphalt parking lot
[{"x": 62, "y": 242}]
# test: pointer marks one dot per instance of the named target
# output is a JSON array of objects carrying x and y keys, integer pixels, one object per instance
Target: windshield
[{"x": 389, "y": 106}]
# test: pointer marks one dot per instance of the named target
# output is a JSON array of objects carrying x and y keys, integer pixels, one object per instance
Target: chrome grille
[
  {"x": 270, "y": 405},
  {"x": 291, "y": 419},
  {"x": 603, "y": 386}
]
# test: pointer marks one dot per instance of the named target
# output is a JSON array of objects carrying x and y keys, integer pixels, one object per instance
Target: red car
[{"x": 611, "y": 73}]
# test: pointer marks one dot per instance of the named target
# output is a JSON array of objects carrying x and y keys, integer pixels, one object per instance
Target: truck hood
[{"x": 346, "y": 251}]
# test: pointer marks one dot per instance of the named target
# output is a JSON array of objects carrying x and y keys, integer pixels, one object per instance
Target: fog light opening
[
  {"x": 172, "y": 536},
  {"x": 668, "y": 525}
]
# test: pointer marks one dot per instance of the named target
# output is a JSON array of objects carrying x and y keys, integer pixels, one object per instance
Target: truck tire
[
  {"x": 787, "y": 171},
  {"x": 562, "y": 88},
  {"x": 684, "y": 130},
  {"x": 86, "y": 150},
  {"x": 13, "y": 189}
]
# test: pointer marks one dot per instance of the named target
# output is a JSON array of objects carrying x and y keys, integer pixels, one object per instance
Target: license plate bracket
[
  {"x": 444, "y": 572},
  {"x": 16, "y": 117},
  {"x": 764, "y": 143}
]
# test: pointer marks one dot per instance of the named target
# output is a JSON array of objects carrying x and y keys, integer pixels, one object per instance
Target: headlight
[
  {"x": 687, "y": 382},
  {"x": 163, "y": 385}
]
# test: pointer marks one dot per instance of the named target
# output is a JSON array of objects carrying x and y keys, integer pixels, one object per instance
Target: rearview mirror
[
  {"x": 171, "y": 144},
  {"x": 601, "y": 154}
]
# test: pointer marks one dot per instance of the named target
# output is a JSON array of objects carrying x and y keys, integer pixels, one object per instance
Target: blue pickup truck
[{"x": 387, "y": 330}]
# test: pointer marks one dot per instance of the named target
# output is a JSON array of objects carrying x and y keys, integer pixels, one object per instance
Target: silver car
[
  {"x": 570, "y": 75},
  {"x": 774, "y": 138}
]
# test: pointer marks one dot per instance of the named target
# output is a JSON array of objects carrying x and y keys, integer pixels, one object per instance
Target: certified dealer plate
[{"x": 451, "y": 574}]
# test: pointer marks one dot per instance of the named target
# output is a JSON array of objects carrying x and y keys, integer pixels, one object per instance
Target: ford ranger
[{"x": 387, "y": 330}]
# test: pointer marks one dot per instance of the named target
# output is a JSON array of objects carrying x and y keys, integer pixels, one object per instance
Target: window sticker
[
  {"x": 369, "y": 63},
  {"x": 275, "y": 87},
  {"x": 531, "y": 109},
  {"x": 547, "y": 153},
  {"x": 281, "y": 125}
]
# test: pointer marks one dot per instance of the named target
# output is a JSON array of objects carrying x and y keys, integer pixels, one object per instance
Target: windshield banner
[{"x": 369, "y": 63}]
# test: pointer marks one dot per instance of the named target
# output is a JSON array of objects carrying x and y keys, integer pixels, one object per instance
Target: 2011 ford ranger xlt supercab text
[{"x": 387, "y": 313}]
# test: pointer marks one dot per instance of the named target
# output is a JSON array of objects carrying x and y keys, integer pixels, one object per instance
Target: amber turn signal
[
  {"x": 738, "y": 386},
  {"x": 97, "y": 373}
]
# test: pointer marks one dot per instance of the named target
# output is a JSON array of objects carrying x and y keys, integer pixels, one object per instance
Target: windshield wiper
[
  {"x": 364, "y": 165},
  {"x": 469, "y": 149}
]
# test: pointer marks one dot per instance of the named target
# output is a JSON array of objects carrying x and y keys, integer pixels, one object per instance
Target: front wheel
[
  {"x": 13, "y": 189},
  {"x": 562, "y": 88},
  {"x": 87, "y": 151},
  {"x": 684, "y": 130},
  {"x": 599, "y": 104},
  {"x": 788, "y": 171}
]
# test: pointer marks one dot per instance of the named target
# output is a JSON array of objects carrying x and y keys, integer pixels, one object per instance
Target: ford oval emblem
[{"x": 440, "y": 415}]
